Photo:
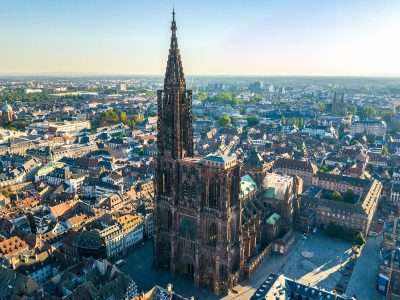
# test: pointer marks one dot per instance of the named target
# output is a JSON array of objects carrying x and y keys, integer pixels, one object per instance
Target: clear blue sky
[{"x": 247, "y": 37}]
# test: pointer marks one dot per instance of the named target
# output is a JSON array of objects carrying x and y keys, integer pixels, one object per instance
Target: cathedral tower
[
  {"x": 175, "y": 133},
  {"x": 197, "y": 207}
]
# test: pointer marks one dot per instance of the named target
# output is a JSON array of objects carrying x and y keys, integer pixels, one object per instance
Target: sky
[{"x": 216, "y": 37}]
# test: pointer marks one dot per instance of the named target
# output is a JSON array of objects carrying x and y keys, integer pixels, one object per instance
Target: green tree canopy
[
  {"x": 20, "y": 95},
  {"x": 252, "y": 121},
  {"x": 131, "y": 123},
  {"x": 201, "y": 96},
  {"x": 359, "y": 239},
  {"x": 322, "y": 106},
  {"x": 110, "y": 116},
  {"x": 224, "y": 121},
  {"x": 123, "y": 117},
  {"x": 224, "y": 97},
  {"x": 336, "y": 196},
  {"x": 367, "y": 111},
  {"x": 349, "y": 196},
  {"x": 256, "y": 99}
]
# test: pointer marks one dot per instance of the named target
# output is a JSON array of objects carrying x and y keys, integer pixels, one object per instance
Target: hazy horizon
[
  {"x": 161, "y": 75},
  {"x": 224, "y": 38},
  {"x": 95, "y": 74}
]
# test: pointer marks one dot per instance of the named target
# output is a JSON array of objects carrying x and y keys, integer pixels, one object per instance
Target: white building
[
  {"x": 126, "y": 232},
  {"x": 113, "y": 239},
  {"x": 395, "y": 194},
  {"x": 369, "y": 127},
  {"x": 320, "y": 131}
]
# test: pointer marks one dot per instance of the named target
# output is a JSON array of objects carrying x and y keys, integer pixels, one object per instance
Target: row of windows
[{"x": 351, "y": 218}]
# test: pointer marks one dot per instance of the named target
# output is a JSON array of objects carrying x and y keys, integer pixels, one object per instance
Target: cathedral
[
  {"x": 198, "y": 221},
  {"x": 214, "y": 223}
]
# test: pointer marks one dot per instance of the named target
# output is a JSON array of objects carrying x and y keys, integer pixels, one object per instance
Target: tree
[
  {"x": 224, "y": 97},
  {"x": 324, "y": 169},
  {"x": 256, "y": 99},
  {"x": 301, "y": 122},
  {"x": 201, "y": 96},
  {"x": 235, "y": 101},
  {"x": 138, "y": 118},
  {"x": 110, "y": 116},
  {"x": 20, "y": 95},
  {"x": 123, "y": 117},
  {"x": 252, "y": 121},
  {"x": 359, "y": 239},
  {"x": 367, "y": 111},
  {"x": 349, "y": 196},
  {"x": 385, "y": 150},
  {"x": 224, "y": 121},
  {"x": 131, "y": 123},
  {"x": 336, "y": 196},
  {"x": 298, "y": 122},
  {"x": 322, "y": 107},
  {"x": 340, "y": 232}
]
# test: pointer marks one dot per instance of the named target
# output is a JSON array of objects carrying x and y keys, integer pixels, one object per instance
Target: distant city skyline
[{"x": 261, "y": 38}]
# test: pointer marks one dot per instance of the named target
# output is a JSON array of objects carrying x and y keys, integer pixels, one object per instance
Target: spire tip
[{"x": 173, "y": 25}]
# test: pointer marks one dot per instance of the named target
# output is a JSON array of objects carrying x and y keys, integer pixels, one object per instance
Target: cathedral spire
[
  {"x": 174, "y": 73},
  {"x": 173, "y": 25},
  {"x": 175, "y": 131}
]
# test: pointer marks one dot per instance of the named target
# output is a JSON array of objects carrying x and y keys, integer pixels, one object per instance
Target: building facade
[
  {"x": 197, "y": 208},
  {"x": 374, "y": 127},
  {"x": 356, "y": 215},
  {"x": 291, "y": 167},
  {"x": 7, "y": 114}
]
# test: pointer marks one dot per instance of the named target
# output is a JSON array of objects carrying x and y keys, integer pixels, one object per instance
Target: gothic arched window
[
  {"x": 213, "y": 194},
  {"x": 212, "y": 234}
]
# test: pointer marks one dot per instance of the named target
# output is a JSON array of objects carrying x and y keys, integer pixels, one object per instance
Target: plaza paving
[
  {"x": 363, "y": 280},
  {"x": 323, "y": 269},
  {"x": 326, "y": 268},
  {"x": 139, "y": 266}
]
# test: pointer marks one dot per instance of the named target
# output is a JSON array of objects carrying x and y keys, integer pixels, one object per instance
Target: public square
[{"x": 317, "y": 260}]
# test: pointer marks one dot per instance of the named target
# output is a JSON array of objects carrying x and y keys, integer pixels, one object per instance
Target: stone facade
[
  {"x": 355, "y": 216},
  {"x": 7, "y": 114},
  {"x": 304, "y": 169},
  {"x": 197, "y": 208}
]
